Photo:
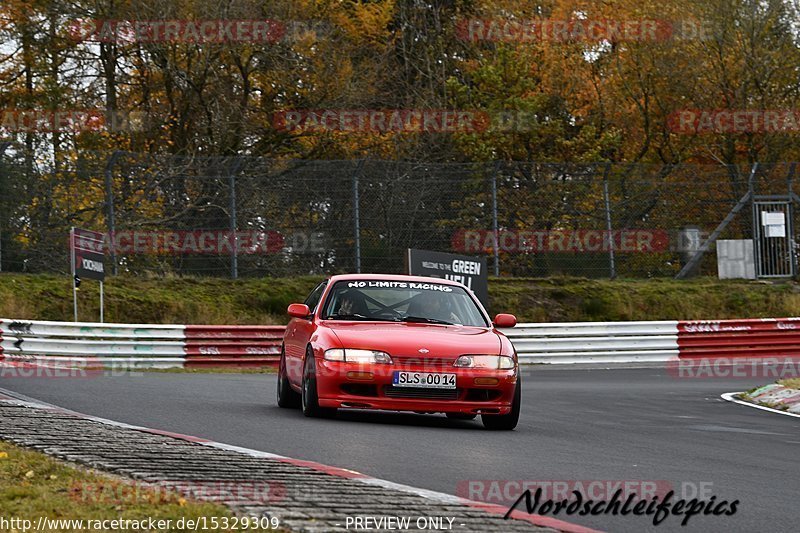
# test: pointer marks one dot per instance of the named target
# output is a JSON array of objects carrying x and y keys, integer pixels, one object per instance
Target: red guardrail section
[
  {"x": 767, "y": 337},
  {"x": 232, "y": 345}
]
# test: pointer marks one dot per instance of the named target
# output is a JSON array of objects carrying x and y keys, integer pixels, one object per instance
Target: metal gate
[{"x": 773, "y": 237}]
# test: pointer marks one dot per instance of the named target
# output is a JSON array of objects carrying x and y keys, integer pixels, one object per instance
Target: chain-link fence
[{"x": 245, "y": 216}]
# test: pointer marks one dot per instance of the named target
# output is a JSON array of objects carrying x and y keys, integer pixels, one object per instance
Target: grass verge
[
  {"x": 793, "y": 383},
  {"x": 194, "y": 300},
  {"x": 33, "y": 485}
]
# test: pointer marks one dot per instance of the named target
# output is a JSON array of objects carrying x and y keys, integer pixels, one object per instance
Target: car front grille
[
  {"x": 420, "y": 393},
  {"x": 424, "y": 362}
]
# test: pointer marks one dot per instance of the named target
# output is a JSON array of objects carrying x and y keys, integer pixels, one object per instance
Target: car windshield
[{"x": 402, "y": 301}]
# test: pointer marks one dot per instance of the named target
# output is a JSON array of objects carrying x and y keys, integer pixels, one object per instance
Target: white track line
[{"x": 730, "y": 397}]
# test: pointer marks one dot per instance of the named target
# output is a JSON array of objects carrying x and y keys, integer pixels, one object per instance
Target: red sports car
[{"x": 399, "y": 343}]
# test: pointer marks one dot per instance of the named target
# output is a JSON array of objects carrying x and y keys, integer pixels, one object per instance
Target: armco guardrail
[
  {"x": 661, "y": 341},
  {"x": 595, "y": 342},
  {"x": 554, "y": 343},
  {"x": 164, "y": 346}
]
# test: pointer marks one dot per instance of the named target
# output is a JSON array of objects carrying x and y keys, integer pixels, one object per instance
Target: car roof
[{"x": 394, "y": 277}]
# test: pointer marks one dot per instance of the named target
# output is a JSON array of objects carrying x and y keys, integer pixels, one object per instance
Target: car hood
[{"x": 407, "y": 339}]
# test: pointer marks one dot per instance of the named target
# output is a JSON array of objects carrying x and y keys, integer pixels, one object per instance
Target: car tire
[
  {"x": 461, "y": 416},
  {"x": 287, "y": 397},
  {"x": 509, "y": 421},
  {"x": 309, "y": 400}
]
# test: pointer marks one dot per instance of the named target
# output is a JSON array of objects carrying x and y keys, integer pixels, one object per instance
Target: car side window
[{"x": 313, "y": 299}]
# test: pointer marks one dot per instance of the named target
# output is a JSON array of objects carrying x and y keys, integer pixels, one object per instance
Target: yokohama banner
[{"x": 87, "y": 254}]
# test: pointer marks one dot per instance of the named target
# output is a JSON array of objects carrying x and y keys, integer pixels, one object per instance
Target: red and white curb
[
  {"x": 773, "y": 394},
  {"x": 11, "y": 397}
]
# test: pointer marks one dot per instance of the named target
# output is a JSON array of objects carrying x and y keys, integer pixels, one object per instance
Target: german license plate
[{"x": 424, "y": 380}]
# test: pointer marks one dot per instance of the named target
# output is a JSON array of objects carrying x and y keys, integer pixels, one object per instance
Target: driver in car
[{"x": 353, "y": 303}]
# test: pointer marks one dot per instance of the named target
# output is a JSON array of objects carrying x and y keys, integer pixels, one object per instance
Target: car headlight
[
  {"x": 494, "y": 362},
  {"x": 348, "y": 355}
]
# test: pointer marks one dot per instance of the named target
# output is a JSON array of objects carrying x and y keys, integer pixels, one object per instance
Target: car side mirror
[
  {"x": 298, "y": 310},
  {"x": 504, "y": 320}
]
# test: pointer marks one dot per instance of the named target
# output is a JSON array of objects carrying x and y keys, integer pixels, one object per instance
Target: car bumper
[{"x": 346, "y": 385}]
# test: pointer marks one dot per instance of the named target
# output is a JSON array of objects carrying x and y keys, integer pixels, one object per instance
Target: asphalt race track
[{"x": 576, "y": 424}]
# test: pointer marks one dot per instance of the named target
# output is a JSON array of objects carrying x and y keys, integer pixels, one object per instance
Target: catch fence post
[
  {"x": 110, "y": 222},
  {"x": 357, "y": 216},
  {"x": 611, "y": 263}
]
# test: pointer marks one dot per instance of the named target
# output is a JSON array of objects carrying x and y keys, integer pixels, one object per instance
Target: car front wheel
[{"x": 309, "y": 398}]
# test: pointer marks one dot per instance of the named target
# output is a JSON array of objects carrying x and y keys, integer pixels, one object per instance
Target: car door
[{"x": 298, "y": 333}]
